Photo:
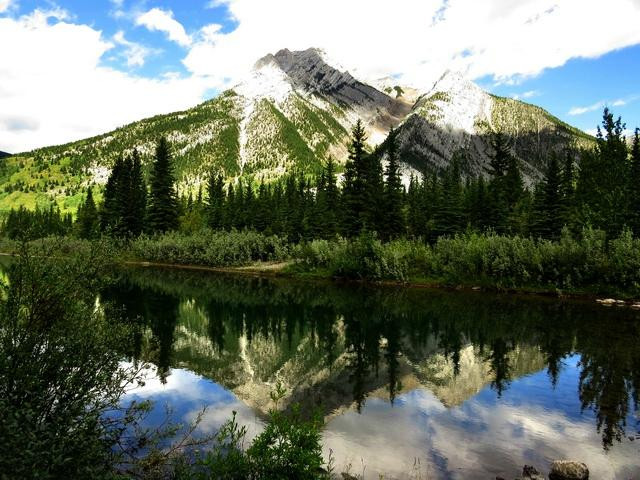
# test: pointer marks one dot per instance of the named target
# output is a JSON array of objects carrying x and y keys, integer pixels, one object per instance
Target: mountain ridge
[{"x": 292, "y": 111}]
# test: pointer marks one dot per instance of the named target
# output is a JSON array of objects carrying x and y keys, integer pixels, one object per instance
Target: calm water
[{"x": 411, "y": 382}]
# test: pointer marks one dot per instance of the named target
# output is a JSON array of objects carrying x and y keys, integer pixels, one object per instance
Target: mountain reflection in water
[{"x": 455, "y": 385}]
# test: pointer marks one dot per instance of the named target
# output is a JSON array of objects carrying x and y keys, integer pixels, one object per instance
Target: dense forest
[
  {"x": 598, "y": 188},
  {"x": 577, "y": 229}
]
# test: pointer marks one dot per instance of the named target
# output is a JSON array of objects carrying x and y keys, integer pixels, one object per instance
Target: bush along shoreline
[
  {"x": 589, "y": 264},
  {"x": 576, "y": 231}
]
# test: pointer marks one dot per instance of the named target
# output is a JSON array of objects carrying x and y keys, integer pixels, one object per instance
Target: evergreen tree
[
  {"x": 123, "y": 198},
  {"x": 356, "y": 177},
  {"x": 476, "y": 203},
  {"x": 547, "y": 221},
  {"x": 413, "y": 207},
  {"x": 634, "y": 185},
  {"x": 137, "y": 206},
  {"x": 449, "y": 216},
  {"x": 392, "y": 204},
  {"x": 263, "y": 208},
  {"x": 332, "y": 200},
  {"x": 568, "y": 190},
  {"x": 505, "y": 187},
  {"x": 88, "y": 221},
  {"x": 110, "y": 214},
  {"x": 215, "y": 205},
  {"x": 603, "y": 179},
  {"x": 229, "y": 211},
  {"x": 163, "y": 203}
]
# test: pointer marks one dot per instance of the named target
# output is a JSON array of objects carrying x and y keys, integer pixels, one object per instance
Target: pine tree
[
  {"x": 392, "y": 204},
  {"x": 263, "y": 208},
  {"x": 505, "y": 187},
  {"x": 355, "y": 179},
  {"x": 229, "y": 211},
  {"x": 332, "y": 196},
  {"x": 547, "y": 219},
  {"x": 567, "y": 189},
  {"x": 110, "y": 214},
  {"x": 603, "y": 179},
  {"x": 163, "y": 203},
  {"x": 449, "y": 216},
  {"x": 122, "y": 200},
  {"x": 137, "y": 206},
  {"x": 88, "y": 221},
  {"x": 215, "y": 205},
  {"x": 634, "y": 186}
]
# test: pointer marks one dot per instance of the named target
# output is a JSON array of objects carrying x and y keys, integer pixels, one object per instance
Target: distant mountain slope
[
  {"x": 292, "y": 111},
  {"x": 458, "y": 116},
  {"x": 4, "y": 155}
]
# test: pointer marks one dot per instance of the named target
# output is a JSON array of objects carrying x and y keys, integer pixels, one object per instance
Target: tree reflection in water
[{"x": 335, "y": 345}]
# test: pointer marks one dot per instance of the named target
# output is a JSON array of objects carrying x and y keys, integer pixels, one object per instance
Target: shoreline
[{"x": 279, "y": 270}]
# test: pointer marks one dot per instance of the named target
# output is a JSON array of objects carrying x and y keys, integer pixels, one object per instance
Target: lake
[{"x": 412, "y": 383}]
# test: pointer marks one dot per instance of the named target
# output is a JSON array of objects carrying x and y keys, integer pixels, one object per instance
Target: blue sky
[{"x": 76, "y": 68}]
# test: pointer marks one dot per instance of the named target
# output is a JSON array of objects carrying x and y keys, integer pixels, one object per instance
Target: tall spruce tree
[
  {"x": 393, "y": 195},
  {"x": 88, "y": 221},
  {"x": 449, "y": 216},
  {"x": 505, "y": 187},
  {"x": 110, "y": 213},
  {"x": 602, "y": 182},
  {"x": 568, "y": 189},
  {"x": 356, "y": 175},
  {"x": 634, "y": 186},
  {"x": 552, "y": 221},
  {"x": 163, "y": 203},
  {"x": 137, "y": 206}
]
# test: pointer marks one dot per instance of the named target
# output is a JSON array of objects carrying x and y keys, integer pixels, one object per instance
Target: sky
[{"x": 70, "y": 69}]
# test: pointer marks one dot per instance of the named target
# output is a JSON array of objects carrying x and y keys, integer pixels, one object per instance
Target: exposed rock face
[
  {"x": 309, "y": 72},
  {"x": 568, "y": 470},
  {"x": 297, "y": 108},
  {"x": 457, "y": 117}
]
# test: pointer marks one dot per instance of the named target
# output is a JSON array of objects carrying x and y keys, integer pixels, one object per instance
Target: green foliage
[
  {"x": 88, "y": 222},
  {"x": 59, "y": 368},
  {"x": 289, "y": 447},
  {"x": 492, "y": 260},
  {"x": 602, "y": 188},
  {"x": 162, "y": 213},
  {"x": 393, "y": 193},
  {"x": 214, "y": 249},
  {"x": 365, "y": 257},
  {"x": 23, "y": 224}
]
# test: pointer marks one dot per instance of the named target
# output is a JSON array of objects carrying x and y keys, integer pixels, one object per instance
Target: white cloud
[
  {"x": 157, "y": 19},
  {"x": 589, "y": 108},
  {"x": 53, "y": 88},
  {"x": 620, "y": 102},
  {"x": 508, "y": 40},
  {"x": 473, "y": 439},
  {"x": 135, "y": 53},
  {"x": 4, "y": 5},
  {"x": 415, "y": 41}
]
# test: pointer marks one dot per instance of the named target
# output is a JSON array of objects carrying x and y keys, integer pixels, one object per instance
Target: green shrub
[{"x": 209, "y": 248}]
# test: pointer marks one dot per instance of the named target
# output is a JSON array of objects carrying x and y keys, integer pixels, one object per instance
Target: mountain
[
  {"x": 4, "y": 155},
  {"x": 456, "y": 115},
  {"x": 292, "y": 111}
]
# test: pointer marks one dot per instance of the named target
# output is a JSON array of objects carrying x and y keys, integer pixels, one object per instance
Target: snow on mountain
[
  {"x": 296, "y": 108},
  {"x": 455, "y": 102}
]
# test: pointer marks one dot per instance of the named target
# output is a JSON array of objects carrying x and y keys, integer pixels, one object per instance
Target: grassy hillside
[{"x": 277, "y": 138}]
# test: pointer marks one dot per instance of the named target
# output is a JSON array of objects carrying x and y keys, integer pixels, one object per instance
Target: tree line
[{"x": 598, "y": 187}]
